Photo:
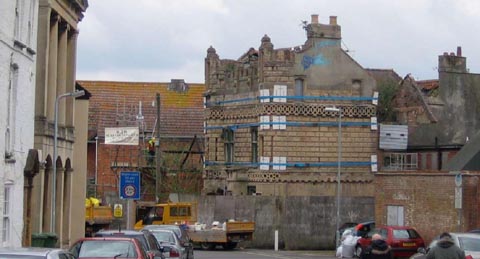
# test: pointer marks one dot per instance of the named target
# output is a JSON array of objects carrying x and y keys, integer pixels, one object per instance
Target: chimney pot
[
  {"x": 452, "y": 54},
  {"x": 445, "y": 53},
  {"x": 333, "y": 20},
  {"x": 314, "y": 18},
  {"x": 459, "y": 51}
]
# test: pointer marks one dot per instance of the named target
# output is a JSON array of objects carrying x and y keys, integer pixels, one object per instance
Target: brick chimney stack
[
  {"x": 452, "y": 62},
  {"x": 316, "y": 30},
  {"x": 333, "y": 20}
]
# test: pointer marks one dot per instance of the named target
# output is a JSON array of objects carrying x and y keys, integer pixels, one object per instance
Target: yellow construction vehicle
[
  {"x": 227, "y": 234},
  {"x": 96, "y": 216},
  {"x": 168, "y": 213}
]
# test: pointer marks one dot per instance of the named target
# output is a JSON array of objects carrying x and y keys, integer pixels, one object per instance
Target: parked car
[
  {"x": 147, "y": 240},
  {"x": 361, "y": 229},
  {"x": 36, "y": 253},
  {"x": 404, "y": 240},
  {"x": 469, "y": 242},
  {"x": 182, "y": 234},
  {"x": 170, "y": 242},
  {"x": 109, "y": 247}
]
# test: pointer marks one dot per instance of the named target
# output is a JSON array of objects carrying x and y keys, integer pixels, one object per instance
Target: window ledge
[
  {"x": 10, "y": 161},
  {"x": 19, "y": 44},
  {"x": 31, "y": 51}
]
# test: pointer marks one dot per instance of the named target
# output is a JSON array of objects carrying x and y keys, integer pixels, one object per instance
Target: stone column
[
  {"x": 62, "y": 69},
  {"x": 59, "y": 202},
  {"x": 42, "y": 61},
  {"x": 52, "y": 67},
  {"x": 67, "y": 190},
  {"x": 38, "y": 200},
  {"x": 47, "y": 200},
  {"x": 71, "y": 75}
]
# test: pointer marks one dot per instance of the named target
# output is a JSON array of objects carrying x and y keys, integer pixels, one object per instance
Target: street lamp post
[
  {"x": 339, "y": 162},
  {"x": 55, "y": 136}
]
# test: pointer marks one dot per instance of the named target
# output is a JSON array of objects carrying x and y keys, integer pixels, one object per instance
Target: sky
[{"x": 160, "y": 40}]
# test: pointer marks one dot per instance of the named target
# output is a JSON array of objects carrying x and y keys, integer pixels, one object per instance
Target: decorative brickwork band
[{"x": 297, "y": 109}]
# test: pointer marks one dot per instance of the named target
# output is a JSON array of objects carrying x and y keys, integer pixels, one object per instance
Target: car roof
[
  {"x": 395, "y": 227},
  {"x": 458, "y": 234},
  {"x": 109, "y": 238},
  {"x": 162, "y": 227},
  {"x": 124, "y": 232},
  {"x": 39, "y": 251}
]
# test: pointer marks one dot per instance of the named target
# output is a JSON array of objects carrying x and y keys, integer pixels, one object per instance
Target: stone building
[
  {"x": 272, "y": 119},
  {"x": 17, "y": 87},
  {"x": 55, "y": 205}
]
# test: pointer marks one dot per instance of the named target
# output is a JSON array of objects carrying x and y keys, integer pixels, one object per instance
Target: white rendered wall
[{"x": 19, "y": 56}]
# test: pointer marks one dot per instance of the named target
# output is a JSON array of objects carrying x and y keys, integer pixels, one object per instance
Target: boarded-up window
[
  {"x": 395, "y": 216},
  {"x": 280, "y": 91},
  {"x": 299, "y": 87}
]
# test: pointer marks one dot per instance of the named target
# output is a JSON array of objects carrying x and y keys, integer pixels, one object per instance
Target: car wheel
[
  {"x": 358, "y": 251},
  {"x": 207, "y": 246}
]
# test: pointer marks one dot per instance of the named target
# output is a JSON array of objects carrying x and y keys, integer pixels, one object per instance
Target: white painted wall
[{"x": 21, "y": 111}]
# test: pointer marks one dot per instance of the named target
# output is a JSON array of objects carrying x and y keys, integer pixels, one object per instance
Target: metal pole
[
  {"x": 339, "y": 185},
  {"x": 158, "y": 175},
  {"x": 55, "y": 137},
  {"x": 96, "y": 165}
]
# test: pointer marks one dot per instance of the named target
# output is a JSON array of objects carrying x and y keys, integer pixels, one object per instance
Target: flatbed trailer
[{"x": 228, "y": 237}]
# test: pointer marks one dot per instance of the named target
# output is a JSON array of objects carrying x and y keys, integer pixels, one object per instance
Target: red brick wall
[
  {"x": 107, "y": 177},
  {"x": 428, "y": 200}
]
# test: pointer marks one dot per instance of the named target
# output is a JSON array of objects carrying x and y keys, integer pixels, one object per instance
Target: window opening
[
  {"x": 6, "y": 213},
  {"x": 400, "y": 161},
  {"x": 254, "y": 140},
  {"x": 299, "y": 87},
  {"x": 228, "y": 138}
]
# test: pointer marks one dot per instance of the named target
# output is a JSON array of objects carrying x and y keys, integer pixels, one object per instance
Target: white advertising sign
[{"x": 121, "y": 136}]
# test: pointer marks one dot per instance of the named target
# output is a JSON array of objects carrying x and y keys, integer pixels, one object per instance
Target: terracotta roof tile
[
  {"x": 115, "y": 104},
  {"x": 428, "y": 84}
]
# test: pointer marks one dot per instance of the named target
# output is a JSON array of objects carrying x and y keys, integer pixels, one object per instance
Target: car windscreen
[
  {"x": 107, "y": 248},
  {"x": 140, "y": 237},
  {"x": 469, "y": 243},
  {"x": 16, "y": 256},
  {"x": 164, "y": 236}
]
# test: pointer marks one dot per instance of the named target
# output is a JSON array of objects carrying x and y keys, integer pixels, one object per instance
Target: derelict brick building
[{"x": 268, "y": 127}]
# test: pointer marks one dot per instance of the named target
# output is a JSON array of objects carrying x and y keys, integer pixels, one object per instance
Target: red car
[
  {"x": 109, "y": 248},
  {"x": 403, "y": 240}
]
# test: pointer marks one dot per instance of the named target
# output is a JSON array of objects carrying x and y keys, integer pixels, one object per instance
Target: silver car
[
  {"x": 469, "y": 242},
  {"x": 170, "y": 243},
  {"x": 35, "y": 253}
]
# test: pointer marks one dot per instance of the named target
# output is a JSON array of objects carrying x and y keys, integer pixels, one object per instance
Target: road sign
[
  {"x": 118, "y": 210},
  {"x": 130, "y": 185}
]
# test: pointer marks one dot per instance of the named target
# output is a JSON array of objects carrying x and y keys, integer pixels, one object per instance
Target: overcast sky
[{"x": 157, "y": 40}]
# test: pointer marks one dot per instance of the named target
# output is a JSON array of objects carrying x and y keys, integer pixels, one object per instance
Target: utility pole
[{"x": 158, "y": 171}]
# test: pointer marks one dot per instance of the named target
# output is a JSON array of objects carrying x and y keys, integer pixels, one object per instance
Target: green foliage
[{"x": 387, "y": 90}]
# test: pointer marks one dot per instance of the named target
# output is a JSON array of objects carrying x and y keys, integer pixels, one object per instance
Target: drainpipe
[{"x": 439, "y": 154}]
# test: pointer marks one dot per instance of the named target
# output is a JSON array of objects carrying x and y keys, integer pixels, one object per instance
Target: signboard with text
[
  {"x": 130, "y": 185},
  {"x": 121, "y": 136}
]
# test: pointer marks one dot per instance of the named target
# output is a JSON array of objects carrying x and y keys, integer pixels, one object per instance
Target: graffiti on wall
[{"x": 320, "y": 59}]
